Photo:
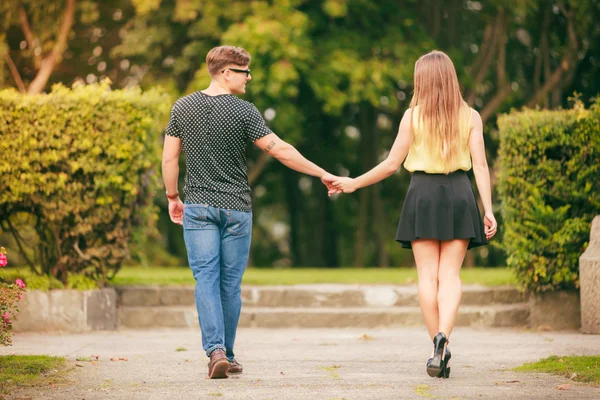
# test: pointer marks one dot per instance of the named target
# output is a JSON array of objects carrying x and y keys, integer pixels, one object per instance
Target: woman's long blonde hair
[{"x": 437, "y": 93}]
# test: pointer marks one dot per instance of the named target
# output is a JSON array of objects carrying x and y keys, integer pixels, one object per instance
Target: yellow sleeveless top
[{"x": 419, "y": 158}]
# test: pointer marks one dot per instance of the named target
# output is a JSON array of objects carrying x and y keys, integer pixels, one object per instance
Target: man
[{"x": 212, "y": 127}]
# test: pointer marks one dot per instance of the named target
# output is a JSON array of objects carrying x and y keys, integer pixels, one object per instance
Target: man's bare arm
[
  {"x": 269, "y": 146},
  {"x": 288, "y": 155},
  {"x": 170, "y": 163}
]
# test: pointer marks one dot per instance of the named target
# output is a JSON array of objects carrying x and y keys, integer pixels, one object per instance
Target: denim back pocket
[
  {"x": 195, "y": 216},
  {"x": 239, "y": 223}
]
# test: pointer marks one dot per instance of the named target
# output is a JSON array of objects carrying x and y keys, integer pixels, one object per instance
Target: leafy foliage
[
  {"x": 10, "y": 294},
  {"x": 549, "y": 174},
  {"x": 86, "y": 164},
  {"x": 336, "y": 77}
]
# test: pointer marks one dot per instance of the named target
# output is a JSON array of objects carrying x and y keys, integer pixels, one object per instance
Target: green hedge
[
  {"x": 78, "y": 169},
  {"x": 549, "y": 180}
]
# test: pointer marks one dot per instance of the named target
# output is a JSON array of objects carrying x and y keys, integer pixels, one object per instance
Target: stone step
[
  {"x": 504, "y": 315},
  {"x": 322, "y": 295}
]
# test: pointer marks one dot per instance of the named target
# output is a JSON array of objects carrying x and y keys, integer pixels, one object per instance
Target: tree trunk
[
  {"x": 257, "y": 168},
  {"x": 436, "y": 11},
  {"x": 453, "y": 12},
  {"x": 330, "y": 254},
  {"x": 568, "y": 61},
  {"x": 378, "y": 224},
  {"x": 542, "y": 52},
  {"x": 293, "y": 200},
  {"x": 383, "y": 259},
  {"x": 316, "y": 233},
  {"x": 359, "y": 244},
  {"x": 48, "y": 64},
  {"x": 503, "y": 87},
  {"x": 364, "y": 194},
  {"x": 488, "y": 49},
  {"x": 14, "y": 72}
]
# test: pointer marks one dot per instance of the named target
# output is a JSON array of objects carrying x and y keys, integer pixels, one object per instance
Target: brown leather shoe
[
  {"x": 218, "y": 365},
  {"x": 235, "y": 368}
]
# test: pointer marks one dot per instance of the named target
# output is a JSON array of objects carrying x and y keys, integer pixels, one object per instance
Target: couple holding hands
[{"x": 440, "y": 138}]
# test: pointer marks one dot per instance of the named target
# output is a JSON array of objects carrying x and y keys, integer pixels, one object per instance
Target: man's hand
[
  {"x": 176, "y": 211},
  {"x": 327, "y": 180},
  {"x": 345, "y": 185}
]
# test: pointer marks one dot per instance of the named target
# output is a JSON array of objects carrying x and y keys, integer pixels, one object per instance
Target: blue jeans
[{"x": 218, "y": 244}]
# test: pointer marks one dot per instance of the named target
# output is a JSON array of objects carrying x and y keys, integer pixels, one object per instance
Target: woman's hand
[
  {"x": 346, "y": 185},
  {"x": 490, "y": 225}
]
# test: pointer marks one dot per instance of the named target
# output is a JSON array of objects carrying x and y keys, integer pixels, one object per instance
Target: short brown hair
[{"x": 219, "y": 57}]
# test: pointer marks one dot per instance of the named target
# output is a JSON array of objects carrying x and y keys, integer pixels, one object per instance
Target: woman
[{"x": 440, "y": 220}]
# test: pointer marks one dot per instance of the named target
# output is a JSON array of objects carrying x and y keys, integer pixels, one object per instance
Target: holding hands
[
  {"x": 337, "y": 184},
  {"x": 344, "y": 185},
  {"x": 327, "y": 180}
]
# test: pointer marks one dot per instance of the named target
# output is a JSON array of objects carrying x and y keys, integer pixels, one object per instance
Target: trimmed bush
[
  {"x": 549, "y": 185},
  {"x": 80, "y": 167}
]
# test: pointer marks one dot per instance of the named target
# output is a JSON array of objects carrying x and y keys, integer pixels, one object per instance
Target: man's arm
[
  {"x": 288, "y": 155},
  {"x": 170, "y": 163},
  {"x": 170, "y": 172}
]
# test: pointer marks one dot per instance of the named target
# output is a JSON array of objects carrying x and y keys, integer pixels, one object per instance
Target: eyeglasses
[{"x": 244, "y": 71}]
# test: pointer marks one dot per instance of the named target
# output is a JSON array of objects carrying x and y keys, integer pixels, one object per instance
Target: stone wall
[
  {"x": 302, "y": 305},
  {"x": 67, "y": 310},
  {"x": 554, "y": 311},
  {"x": 589, "y": 276}
]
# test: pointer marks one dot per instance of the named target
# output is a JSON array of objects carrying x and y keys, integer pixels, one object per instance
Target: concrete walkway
[{"x": 309, "y": 364}]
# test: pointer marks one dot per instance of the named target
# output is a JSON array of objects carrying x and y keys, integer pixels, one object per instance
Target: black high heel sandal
[
  {"x": 445, "y": 373},
  {"x": 436, "y": 364}
]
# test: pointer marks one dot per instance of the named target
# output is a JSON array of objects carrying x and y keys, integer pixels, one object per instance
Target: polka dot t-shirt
[{"x": 214, "y": 131}]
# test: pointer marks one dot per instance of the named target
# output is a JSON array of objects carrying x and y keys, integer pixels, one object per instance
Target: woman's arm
[
  {"x": 480, "y": 165},
  {"x": 482, "y": 172},
  {"x": 388, "y": 166}
]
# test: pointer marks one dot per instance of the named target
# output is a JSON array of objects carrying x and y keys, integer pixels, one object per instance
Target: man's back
[
  {"x": 212, "y": 128},
  {"x": 214, "y": 131}
]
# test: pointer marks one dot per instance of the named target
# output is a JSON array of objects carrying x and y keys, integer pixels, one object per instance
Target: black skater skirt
[{"x": 443, "y": 207}]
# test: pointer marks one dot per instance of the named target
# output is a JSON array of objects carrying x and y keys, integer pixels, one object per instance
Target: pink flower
[
  {"x": 6, "y": 318},
  {"x": 20, "y": 295},
  {"x": 20, "y": 283},
  {"x": 3, "y": 260}
]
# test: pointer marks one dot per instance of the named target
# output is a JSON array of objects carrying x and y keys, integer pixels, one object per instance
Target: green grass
[
  {"x": 267, "y": 276},
  {"x": 423, "y": 390},
  {"x": 331, "y": 368},
  {"x": 24, "y": 371},
  {"x": 332, "y": 371},
  {"x": 578, "y": 368},
  {"x": 37, "y": 282},
  {"x": 293, "y": 276}
]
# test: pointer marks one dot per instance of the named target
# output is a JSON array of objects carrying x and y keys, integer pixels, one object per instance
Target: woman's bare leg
[
  {"x": 452, "y": 255},
  {"x": 427, "y": 257}
]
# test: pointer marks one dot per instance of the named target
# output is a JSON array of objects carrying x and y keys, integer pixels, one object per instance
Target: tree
[
  {"x": 544, "y": 40},
  {"x": 334, "y": 77},
  {"x": 40, "y": 35}
]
